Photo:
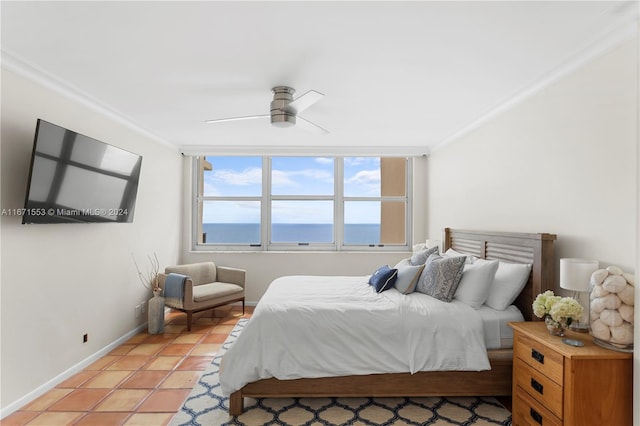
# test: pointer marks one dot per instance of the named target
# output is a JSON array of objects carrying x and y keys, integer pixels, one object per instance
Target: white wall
[
  {"x": 565, "y": 161},
  {"x": 61, "y": 281}
]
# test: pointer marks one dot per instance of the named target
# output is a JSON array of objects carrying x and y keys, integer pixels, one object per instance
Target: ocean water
[{"x": 249, "y": 233}]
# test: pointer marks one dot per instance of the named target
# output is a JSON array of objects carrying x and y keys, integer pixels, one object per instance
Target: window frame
[{"x": 266, "y": 199}]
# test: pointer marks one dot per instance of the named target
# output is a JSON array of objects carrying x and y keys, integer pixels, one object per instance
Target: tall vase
[{"x": 156, "y": 314}]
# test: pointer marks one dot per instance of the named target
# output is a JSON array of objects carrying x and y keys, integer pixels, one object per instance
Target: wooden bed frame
[{"x": 536, "y": 249}]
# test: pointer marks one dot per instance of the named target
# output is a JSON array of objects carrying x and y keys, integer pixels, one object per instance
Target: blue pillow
[{"x": 383, "y": 278}]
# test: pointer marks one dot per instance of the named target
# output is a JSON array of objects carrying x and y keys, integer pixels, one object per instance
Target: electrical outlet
[
  {"x": 138, "y": 309},
  {"x": 144, "y": 307},
  {"x": 85, "y": 338}
]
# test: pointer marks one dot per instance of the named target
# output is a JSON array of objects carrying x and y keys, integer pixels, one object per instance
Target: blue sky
[{"x": 242, "y": 176}]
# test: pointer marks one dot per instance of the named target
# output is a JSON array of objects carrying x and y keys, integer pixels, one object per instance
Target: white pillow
[
  {"x": 475, "y": 282},
  {"x": 509, "y": 281},
  {"x": 420, "y": 257},
  {"x": 419, "y": 247},
  {"x": 408, "y": 275},
  {"x": 452, "y": 253}
]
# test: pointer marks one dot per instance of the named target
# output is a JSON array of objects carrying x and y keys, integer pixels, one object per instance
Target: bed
[{"x": 494, "y": 380}]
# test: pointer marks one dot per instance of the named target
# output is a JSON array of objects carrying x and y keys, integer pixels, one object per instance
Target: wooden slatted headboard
[{"x": 536, "y": 249}]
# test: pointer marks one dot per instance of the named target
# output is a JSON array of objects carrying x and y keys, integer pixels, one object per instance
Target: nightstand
[{"x": 558, "y": 384}]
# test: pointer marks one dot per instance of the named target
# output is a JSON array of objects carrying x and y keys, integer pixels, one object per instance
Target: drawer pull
[
  {"x": 537, "y": 386},
  {"x": 537, "y": 356},
  {"x": 535, "y": 416}
]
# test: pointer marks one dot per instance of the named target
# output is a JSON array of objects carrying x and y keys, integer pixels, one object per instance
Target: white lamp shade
[{"x": 575, "y": 274}]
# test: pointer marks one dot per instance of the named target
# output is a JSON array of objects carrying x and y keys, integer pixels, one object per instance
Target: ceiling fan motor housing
[{"x": 282, "y": 96}]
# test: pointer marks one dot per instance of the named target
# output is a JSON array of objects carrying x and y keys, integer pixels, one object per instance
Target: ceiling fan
[{"x": 285, "y": 109}]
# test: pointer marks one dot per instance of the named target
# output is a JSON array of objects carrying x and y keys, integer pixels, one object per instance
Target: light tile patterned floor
[{"x": 142, "y": 382}]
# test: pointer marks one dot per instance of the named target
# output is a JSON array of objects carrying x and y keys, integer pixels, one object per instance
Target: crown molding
[
  {"x": 13, "y": 63},
  {"x": 594, "y": 50},
  {"x": 310, "y": 150}
]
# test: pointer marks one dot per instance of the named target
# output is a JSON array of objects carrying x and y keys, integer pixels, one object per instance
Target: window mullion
[
  {"x": 265, "y": 214},
  {"x": 196, "y": 218},
  {"x": 339, "y": 203},
  {"x": 227, "y": 198},
  {"x": 409, "y": 204},
  {"x": 302, "y": 197}
]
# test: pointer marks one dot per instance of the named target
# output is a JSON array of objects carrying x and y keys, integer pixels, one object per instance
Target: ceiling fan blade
[
  {"x": 303, "y": 102},
  {"x": 248, "y": 117},
  {"x": 312, "y": 127}
]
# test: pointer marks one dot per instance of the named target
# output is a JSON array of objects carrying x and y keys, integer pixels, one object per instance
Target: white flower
[
  {"x": 561, "y": 309},
  {"x": 565, "y": 309},
  {"x": 544, "y": 302}
]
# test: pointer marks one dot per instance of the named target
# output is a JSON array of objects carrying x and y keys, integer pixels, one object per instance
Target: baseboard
[{"x": 42, "y": 389}]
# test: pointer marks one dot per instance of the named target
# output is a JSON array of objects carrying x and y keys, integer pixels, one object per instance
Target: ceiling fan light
[{"x": 283, "y": 120}]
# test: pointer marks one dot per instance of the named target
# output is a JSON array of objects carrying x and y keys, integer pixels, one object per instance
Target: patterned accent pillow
[
  {"x": 383, "y": 278},
  {"x": 441, "y": 277},
  {"x": 420, "y": 257}
]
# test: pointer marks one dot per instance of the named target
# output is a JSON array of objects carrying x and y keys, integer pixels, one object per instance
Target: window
[
  {"x": 301, "y": 203},
  {"x": 375, "y": 201},
  {"x": 229, "y": 201},
  {"x": 302, "y": 200}
]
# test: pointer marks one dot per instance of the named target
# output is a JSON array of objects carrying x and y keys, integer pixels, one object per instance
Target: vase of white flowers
[
  {"x": 555, "y": 328},
  {"x": 558, "y": 312}
]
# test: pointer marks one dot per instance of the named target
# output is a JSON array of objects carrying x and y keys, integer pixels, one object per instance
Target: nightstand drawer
[
  {"x": 540, "y": 357},
  {"x": 527, "y": 411},
  {"x": 555, "y": 383},
  {"x": 539, "y": 386}
]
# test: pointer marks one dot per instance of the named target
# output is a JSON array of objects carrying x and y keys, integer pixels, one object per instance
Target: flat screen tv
[{"x": 74, "y": 179}]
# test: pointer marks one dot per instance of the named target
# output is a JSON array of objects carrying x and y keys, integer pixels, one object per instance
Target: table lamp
[{"x": 575, "y": 275}]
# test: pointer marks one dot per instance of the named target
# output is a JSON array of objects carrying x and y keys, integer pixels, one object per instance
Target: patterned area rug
[{"x": 207, "y": 406}]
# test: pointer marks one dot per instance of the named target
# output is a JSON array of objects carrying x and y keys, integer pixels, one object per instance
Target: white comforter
[{"x": 314, "y": 326}]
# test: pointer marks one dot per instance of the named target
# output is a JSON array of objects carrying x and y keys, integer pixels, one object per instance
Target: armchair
[{"x": 207, "y": 286}]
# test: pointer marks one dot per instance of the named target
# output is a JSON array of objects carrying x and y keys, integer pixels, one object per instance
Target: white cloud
[
  {"x": 248, "y": 176},
  {"x": 282, "y": 178},
  {"x": 210, "y": 189},
  {"x": 365, "y": 177},
  {"x": 358, "y": 161},
  {"x": 295, "y": 178},
  {"x": 315, "y": 174}
]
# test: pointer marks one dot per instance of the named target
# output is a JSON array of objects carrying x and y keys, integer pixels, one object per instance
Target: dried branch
[{"x": 149, "y": 278}]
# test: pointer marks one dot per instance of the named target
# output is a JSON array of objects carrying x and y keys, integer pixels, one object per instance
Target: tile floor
[{"x": 144, "y": 381}]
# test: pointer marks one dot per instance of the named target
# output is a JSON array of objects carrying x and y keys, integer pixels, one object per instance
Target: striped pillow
[{"x": 383, "y": 278}]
